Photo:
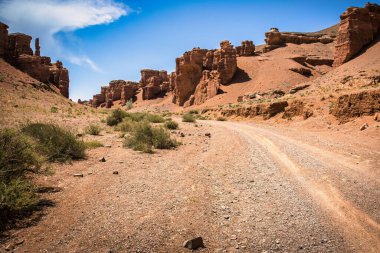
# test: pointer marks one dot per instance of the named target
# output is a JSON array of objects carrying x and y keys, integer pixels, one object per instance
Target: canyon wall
[
  {"x": 358, "y": 28},
  {"x": 15, "y": 49},
  {"x": 220, "y": 66}
]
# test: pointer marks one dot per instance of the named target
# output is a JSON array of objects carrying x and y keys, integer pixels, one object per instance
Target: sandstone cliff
[
  {"x": 15, "y": 49},
  {"x": 190, "y": 69},
  {"x": 358, "y": 28},
  {"x": 116, "y": 90},
  {"x": 154, "y": 83}
]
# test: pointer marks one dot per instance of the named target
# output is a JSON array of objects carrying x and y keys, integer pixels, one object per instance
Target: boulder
[
  {"x": 194, "y": 244},
  {"x": 358, "y": 28},
  {"x": 303, "y": 71}
]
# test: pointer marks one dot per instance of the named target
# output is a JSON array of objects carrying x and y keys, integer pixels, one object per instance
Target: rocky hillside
[{"x": 15, "y": 49}]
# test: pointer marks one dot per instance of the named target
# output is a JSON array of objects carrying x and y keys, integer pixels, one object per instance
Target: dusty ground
[{"x": 249, "y": 188}]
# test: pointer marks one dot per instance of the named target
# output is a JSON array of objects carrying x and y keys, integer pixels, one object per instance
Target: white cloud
[
  {"x": 81, "y": 60},
  {"x": 44, "y": 18}
]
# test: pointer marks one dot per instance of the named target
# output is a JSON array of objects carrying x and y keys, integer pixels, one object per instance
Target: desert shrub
[
  {"x": 93, "y": 144},
  {"x": 221, "y": 119},
  {"x": 54, "y": 142},
  {"x": 194, "y": 111},
  {"x": 188, "y": 117},
  {"x": 17, "y": 194},
  {"x": 54, "y": 109},
  {"x": 116, "y": 117},
  {"x": 129, "y": 104},
  {"x": 154, "y": 118},
  {"x": 17, "y": 155},
  {"x": 144, "y": 138},
  {"x": 171, "y": 125},
  {"x": 93, "y": 129},
  {"x": 125, "y": 126},
  {"x": 17, "y": 158}
]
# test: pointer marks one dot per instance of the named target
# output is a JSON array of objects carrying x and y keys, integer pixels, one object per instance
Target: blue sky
[{"x": 103, "y": 40}]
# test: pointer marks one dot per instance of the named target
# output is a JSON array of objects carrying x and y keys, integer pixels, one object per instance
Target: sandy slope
[{"x": 248, "y": 188}]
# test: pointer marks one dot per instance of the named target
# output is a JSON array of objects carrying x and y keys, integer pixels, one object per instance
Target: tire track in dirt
[{"x": 359, "y": 228}]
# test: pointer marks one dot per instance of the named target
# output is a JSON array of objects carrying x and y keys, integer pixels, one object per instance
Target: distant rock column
[{"x": 37, "y": 46}]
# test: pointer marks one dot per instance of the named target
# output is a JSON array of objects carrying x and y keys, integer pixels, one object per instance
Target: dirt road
[{"x": 247, "y": 188}]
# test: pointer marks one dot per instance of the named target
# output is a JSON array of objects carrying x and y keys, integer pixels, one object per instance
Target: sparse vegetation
[
  {"x": 17, "y": 158},
  {"x": 129, "y": 104},
  {"x": 93, "y": 129},
  {"x": 145, "y": 137},
  {"x": 93, "y": 144},
  {"x": 54, "y": 109},
  {"x": 116, "y": 117},
  {"x": 221, "y": 118},
  {"x": 172, "y": 125},
  {"x": 188, "y": 117},
  {"x": 54, "y": 142}
]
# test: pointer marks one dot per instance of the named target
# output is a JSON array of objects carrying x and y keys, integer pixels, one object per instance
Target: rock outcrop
[
  {"x": 275, "y": 39},
  {"x": 247, "y": 48},
  {"x": 154, "y": 83},
  {"x": 116, "y": 90},
  {"x": 356, "y": 105},
  {"x": 15, "y": 49},
  {"x": 249, "y": 111},
  {"x": 189, "y": 72},
  {"x": 358, "y": 28}
]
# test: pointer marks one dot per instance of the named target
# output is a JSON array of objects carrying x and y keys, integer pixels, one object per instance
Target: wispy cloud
[{"x": 45, "y": 18}]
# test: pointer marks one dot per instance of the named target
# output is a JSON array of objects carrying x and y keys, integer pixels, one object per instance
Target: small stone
[
  {"x": 107, "y": 146},
  {"x": 102, "y": 160},
  {"x": 115, "y": 172},
  {"x": 208, "y": 135},
  {"x": 9, "y": 247},
  {"x": 226, "y": 217},
  {"x": 78, "y": 175},
  {"x": 19, "y": 242},
  {"x": 194, "y": 244},
  {"x": 182, "y": 135},
  {"x": 364, "y": 127},
  {"x": 277, "y": 241},
  {"x": 233, "y": 237}
]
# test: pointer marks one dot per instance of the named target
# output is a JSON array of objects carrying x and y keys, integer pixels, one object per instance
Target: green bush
[
  {"x": 93, "y": 129},
  {"x": 129, "y": 104},
  {"x": 221, "y": 119},
  {"x": 194, "y": 111},
  {"x": 171, "y": 125},
  {"x": 54, "y": 142},
  {"x": 188, "y": 117},
  {"x": 144, "y": 138},
  {"x": 17, "y": 155},
  {"x": 93, "y": 144},
  {"x": 17, "y": 158},
  {"x": 17, "y": 194},
  {"x": 125, "y": 126},
  {"x": 116, "y": 117},
  {"x": 154, "y": 118},
  {"x": 54, "y": 109}
]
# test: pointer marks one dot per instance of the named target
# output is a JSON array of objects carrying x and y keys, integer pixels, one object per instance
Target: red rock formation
[
  {"x": 3, "y": 39},
  {"x": 154, "y": 83},
  {"x": 15, "y": 48},
  {"x": 190, "y": 67},
  {"x": 207, "y": 88},
  {"x": 116, "y": 90},
  {"x": 358, "y": 28},
  {"x": 247, "y": 48},
  {"x": 275, "y": 39}
]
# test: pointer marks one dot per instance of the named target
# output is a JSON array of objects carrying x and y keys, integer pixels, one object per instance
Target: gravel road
[{"x": 247, "y": 188}]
